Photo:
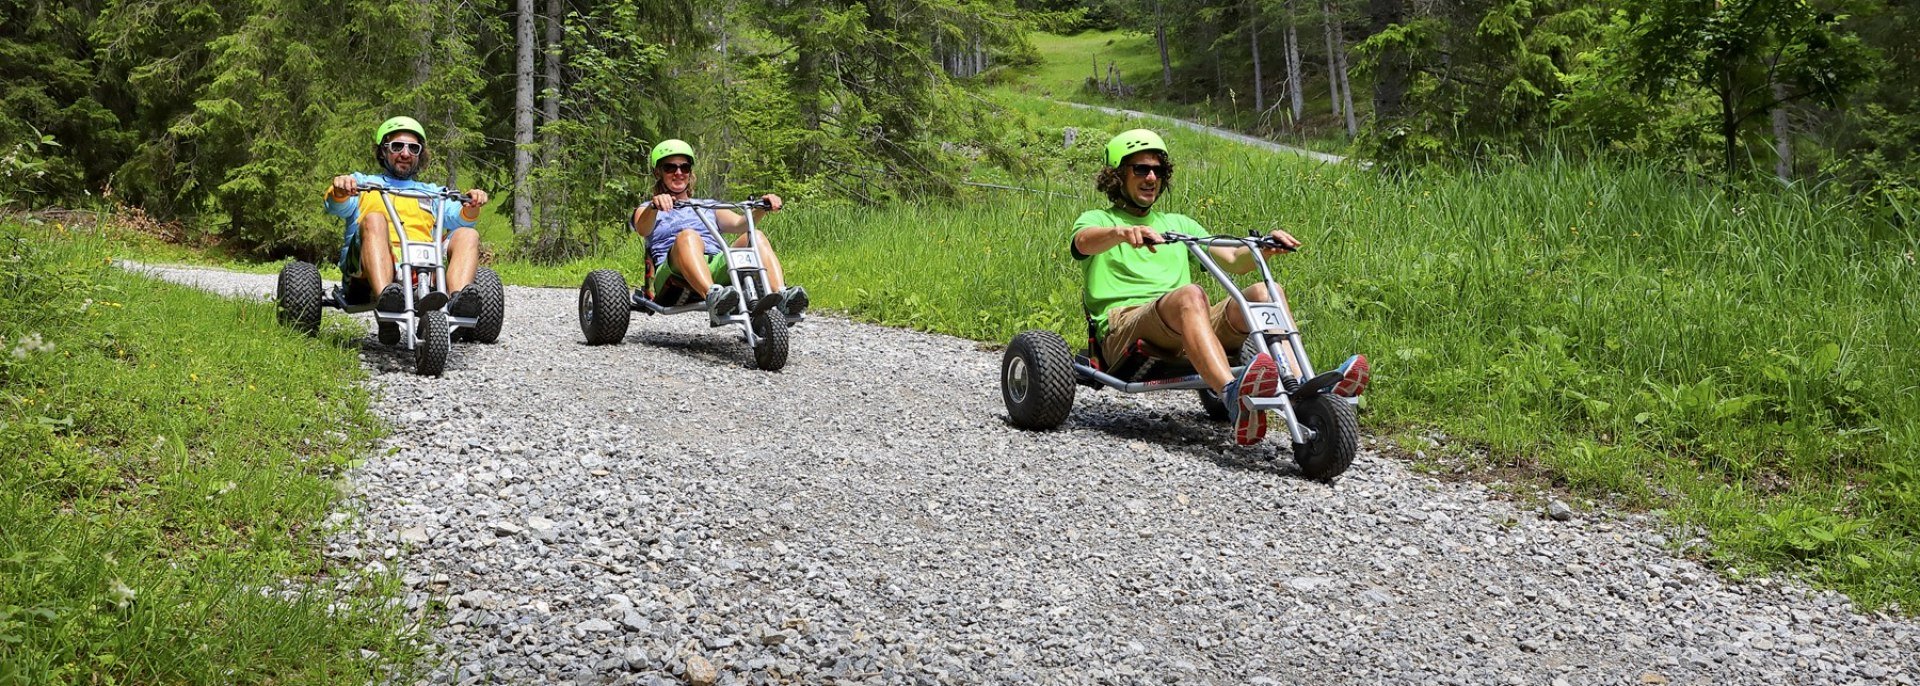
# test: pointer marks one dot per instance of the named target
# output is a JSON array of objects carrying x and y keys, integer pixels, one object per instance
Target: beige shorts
[{"x": 1143, "y": 323}]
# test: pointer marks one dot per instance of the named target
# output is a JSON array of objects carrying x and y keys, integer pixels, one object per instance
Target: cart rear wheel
[
  {"x": 1036, "y": 380},
  {"x": 299, "y": 295},
  {"x": 606, "y": 307},
  {"x": 1211, "y": 402},
  {"x": 493, "y": 306}
]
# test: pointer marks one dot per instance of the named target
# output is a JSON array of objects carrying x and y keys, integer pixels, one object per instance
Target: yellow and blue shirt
[{"x": 416, "y": 214}]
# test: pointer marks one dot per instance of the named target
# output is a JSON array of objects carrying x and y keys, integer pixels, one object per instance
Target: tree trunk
[
  {"x": 523, "y": 120},
  {"x": 1160, "y": 38},
  {"x": 1390, "y": 74},
  {"x": 808, "y": 85},
  {"x": 423, "y": 64},
  {"x": 723, "y": 173},
  {"x": 550, "y": 143},
  {"x": 1729, "y": 123},
  {"x": 1296, "y": 98},
  {"x": 450, "y": 155},
  {"x": 1782, "y": 135},
  {"x": 1333, "y": 65},
  {"x": 1346, "y": 84},
  {"x": 1253, "y": 31}
]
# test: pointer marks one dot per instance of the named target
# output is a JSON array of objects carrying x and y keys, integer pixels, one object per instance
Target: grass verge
[{"x": 167, "y": 458}]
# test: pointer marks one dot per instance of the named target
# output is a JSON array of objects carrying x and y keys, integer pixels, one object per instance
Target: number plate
[
  {"x": 744, "y": 259},
  {"x": 1268, "y": 317},
  {"x": 424, "y": 254}
]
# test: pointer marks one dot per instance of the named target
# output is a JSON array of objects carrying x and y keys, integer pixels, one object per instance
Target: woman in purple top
[{"x": 681, "y": 241}]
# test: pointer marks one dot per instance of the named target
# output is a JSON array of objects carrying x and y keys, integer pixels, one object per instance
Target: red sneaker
[
  {"x": 1260, "y": 380},
  {"x": 1354, "y": 375}
]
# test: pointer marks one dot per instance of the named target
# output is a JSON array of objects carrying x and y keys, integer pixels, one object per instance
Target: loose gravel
[{"x": 658, "y": 512}]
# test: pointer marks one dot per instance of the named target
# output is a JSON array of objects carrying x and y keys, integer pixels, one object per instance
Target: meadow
[{"x": 1064, "y": 63}]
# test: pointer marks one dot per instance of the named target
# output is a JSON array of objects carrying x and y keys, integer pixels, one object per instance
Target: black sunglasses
[
  {"x": 397, "y": 147},
  {"x": 669, "y": 167},
  {"x": 1160, "y": 170}
]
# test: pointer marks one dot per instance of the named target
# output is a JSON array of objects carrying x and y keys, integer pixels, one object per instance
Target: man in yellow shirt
[{"x": 400, "y": 147}]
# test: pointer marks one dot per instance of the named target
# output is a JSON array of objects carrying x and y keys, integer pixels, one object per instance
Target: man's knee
[
  {"x": 1186, "y": 298},
  {"x": 1258, "y": 293},
  {"x": 464, "y": 238}
]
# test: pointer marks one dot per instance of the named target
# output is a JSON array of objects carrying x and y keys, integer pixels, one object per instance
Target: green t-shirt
[{"x": 1125, "y": 275}]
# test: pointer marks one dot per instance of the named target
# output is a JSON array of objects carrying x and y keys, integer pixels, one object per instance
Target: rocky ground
[{"x": 658, "y": 512}]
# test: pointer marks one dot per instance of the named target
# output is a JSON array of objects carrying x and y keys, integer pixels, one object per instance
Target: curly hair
[{"x": 1113, "y": 180}]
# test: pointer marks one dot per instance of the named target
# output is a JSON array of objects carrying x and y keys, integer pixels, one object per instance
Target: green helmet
[
  {"x": 1130, "y": 142},
  {"x": 669, "y": 148},
  {"x": 390, "y": 126}
]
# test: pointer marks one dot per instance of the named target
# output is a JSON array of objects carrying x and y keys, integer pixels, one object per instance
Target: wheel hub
[{"x": 1017, "y": 379}]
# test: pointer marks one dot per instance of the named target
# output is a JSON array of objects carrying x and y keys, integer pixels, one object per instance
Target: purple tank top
[{"x": 667, "y": 225}]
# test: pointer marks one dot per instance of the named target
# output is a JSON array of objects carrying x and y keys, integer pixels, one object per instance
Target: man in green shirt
[{"x": 1138, "y": 292}]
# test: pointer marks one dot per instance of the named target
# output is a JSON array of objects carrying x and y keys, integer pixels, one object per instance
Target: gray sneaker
[
  {"x": 721, "y": 302},
  {"x": 793, "y": 301}
]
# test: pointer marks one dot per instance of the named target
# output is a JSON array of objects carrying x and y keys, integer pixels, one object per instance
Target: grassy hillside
[{"x": 1066, "y": 62}]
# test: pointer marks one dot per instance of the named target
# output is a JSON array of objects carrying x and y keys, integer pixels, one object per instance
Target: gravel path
[
  {"x": 659, "y": 513},
  {"x": 1234, "y": 136}
]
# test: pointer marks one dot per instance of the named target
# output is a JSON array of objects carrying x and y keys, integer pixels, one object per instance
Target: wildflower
[
  {"x": 121, "y": 593},
  {"x": 29, "y": 345}
]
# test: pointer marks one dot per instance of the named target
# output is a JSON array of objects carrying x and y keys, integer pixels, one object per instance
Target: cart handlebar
[
  {"x": 1255, "y": 240},
  {"x": 754, "y": 204},
  {"x": 411, "y": 192}
]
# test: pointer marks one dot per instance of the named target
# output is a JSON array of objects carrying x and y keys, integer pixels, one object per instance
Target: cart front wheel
[{"x": 1336, "y": 436}]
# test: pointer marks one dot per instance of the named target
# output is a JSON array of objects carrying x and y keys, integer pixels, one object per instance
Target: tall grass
[
  {"x": 166, "y": 460},
  {"x": 1743, "y": 361}
]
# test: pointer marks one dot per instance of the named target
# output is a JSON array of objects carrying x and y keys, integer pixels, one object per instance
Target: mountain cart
[
  {"x": 1038, "y": 372},
  {"x": 421, "y": 268},
  {"x": 607, "y": 304}
]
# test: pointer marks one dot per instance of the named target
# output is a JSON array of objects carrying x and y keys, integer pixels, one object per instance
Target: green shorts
[{"x": 716, "y": 264}]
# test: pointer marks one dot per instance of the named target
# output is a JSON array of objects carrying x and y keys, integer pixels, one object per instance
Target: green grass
[
  {"x": 1066, "y": 62},
  {"x": 167, "y": 458}
]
